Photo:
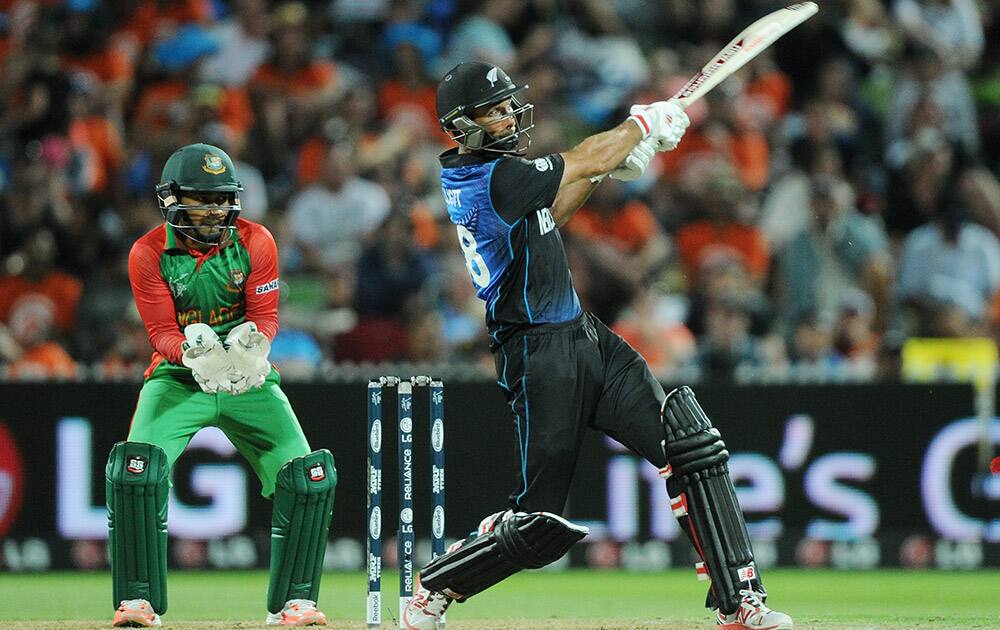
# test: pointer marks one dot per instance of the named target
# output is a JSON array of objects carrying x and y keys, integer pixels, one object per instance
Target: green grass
[{"x": 819, "y": 599}]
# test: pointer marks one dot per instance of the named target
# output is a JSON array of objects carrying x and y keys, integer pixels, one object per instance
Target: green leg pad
[
  {"x": 137, "y": 486},
  {"x": 300, "y": 526}
]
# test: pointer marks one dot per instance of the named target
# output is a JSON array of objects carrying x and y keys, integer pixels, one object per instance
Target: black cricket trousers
[{"x": 561, "y": 379}]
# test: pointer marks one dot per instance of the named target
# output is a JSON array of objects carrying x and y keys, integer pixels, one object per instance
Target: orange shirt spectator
[
  {"x": 774, "y": 88},
  {"x": 702, "y": 240},
  {"x": 628, "y": 229},
  {"x": 317, "y": 75},
  {"x": 55, "y": 298},
  {"x": 46, "y": 360},
  {"x": 747, "y": 150},
  {"x": 234, "y": 106},
  {"x": 309, "y": 166},
  {"x": 663, "y": 346},
  {"x": 98, "y": 139},
  {"x": 393, "y": 94},
  {"x": 111, "y": 65}
]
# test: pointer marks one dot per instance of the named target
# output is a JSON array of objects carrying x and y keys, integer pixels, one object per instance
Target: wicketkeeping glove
[
  {"x": 248, "y": 364},
  {"x": 663, "y": 121},
  {"x": 206, "y": 357}
]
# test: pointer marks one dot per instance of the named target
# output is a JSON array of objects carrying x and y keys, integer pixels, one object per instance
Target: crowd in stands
[{"x": 834, "y": 198}]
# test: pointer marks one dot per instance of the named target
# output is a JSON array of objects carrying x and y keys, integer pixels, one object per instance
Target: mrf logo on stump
[{"x": 136, "y": 464}]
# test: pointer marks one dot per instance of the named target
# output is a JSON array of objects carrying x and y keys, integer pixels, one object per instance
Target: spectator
[
  {"x": 949, "y": 268},
  {"x": 812, "y": 345},
  {"x": 170, "y": 110},
  {"x": 950, "y": 28},
  {"x": 391, "y": 272},
  {"x": 243, "y": 45},
  {"x": 152, "y": 18},
  {"x": 840, "y": 250},
  {"x": 854, "y": 335},
  {"x": 293, "y": 90},
  {"x": 98, "y": 147},
  {"x": 39, "y": 108},
  {"x": 329, "y": 221},
  {"x": 654, "y": 326},
  {"x": 728, "y": 343},
  {"x": 37, "y": 304},
  {"x": 786, "y": 208},
  {"x": 929, "y": 95},
  {"x": 622, "y": 245},
  {"x": 868, "y": 31},
  {"x": 917, "y": 188},
  {"x": 981, "y": 191},
  {"x": 88, "y": 48},
  {"x": 128, "y": 354},
  {"x": 483, "y": 35},
  {"x": 724, "y": 230},
  {"x": 461, "y": 310},
  {"x": 412, "y": 49}
]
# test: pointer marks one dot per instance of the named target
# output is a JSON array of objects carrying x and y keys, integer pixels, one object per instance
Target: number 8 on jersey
[{"x": 473, "y": 260}]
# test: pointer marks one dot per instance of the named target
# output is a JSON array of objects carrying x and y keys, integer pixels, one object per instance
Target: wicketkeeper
[
  {"x": 562, "y": 370},
  {"x": 206, "y": 285}
]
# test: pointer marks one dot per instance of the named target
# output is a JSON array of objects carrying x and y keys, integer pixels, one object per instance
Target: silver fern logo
[{"x": 492, "y": 77}]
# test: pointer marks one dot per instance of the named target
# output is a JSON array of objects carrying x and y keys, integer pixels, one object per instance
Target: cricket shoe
[
  {"x": 753, "y": 614},
  {"x": 425, "y": 609},
  {"x": 135, "y": 613},
  {"x": 297, "y": 612}
]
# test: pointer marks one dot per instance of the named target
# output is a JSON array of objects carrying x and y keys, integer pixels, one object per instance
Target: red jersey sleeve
[
  {"x": 262, "y": 285},
  {"x": 153, "y": 299}
]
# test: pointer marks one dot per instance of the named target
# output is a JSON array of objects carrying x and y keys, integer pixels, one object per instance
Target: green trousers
[{"x": 260, "y": 423}]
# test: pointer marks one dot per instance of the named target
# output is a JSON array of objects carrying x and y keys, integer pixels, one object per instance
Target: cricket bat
[{"x": 744, "y": 47}]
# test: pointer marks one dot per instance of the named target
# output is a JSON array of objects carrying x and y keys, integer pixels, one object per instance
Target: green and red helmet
[{"x": 198, "y": 170}]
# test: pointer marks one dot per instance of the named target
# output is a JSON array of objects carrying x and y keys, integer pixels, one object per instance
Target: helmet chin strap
[
  {"x": 508, "y": 145},
  {"x": 191, "y": 232}
]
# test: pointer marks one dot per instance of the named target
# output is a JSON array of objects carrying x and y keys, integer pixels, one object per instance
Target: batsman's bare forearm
[
  {"x": 570, "y": 198},
  {"x": 600, "y": 153},
  {"x": 597, "y": 155}
]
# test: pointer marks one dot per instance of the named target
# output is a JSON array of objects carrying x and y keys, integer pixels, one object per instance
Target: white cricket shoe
[
  {"x": 753, "y": 614},
  {"x": 425, "y": 609},
  {"x": 297, "y": 612},
  {"x": 135, "y": 613}
]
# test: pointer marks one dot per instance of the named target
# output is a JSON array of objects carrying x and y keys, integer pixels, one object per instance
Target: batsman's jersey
[
  {"x": 175, "y": 287},
  {"x": 512, "y": 247}
]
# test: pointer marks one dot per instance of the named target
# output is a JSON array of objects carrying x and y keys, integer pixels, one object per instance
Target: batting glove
[
  {"x": 206, "y": 357},
  {"x": 635, "y": 163},
  {"x": 248, "y": 364},
  {"x": 663, "y": 121}
]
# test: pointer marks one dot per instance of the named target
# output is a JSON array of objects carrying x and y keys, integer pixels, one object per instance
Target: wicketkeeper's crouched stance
[
  {"x": 202, "y": 274},
  {"x": 562, "y": 370}
]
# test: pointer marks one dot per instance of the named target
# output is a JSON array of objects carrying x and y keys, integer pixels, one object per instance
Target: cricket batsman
[
  {"x": 561, "y": 369},
  {"x": 206, "y": 285}
]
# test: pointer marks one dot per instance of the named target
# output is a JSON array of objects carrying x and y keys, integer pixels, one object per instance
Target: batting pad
[
  {"x": 137, "y": 486},
  {"x": 522, "y": 541},
  {"x": 300, "y": 525},
  {"x": 708, "y": 499}
]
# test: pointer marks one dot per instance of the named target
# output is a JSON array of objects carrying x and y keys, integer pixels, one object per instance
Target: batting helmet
[{"x": 471, "y": 85}]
